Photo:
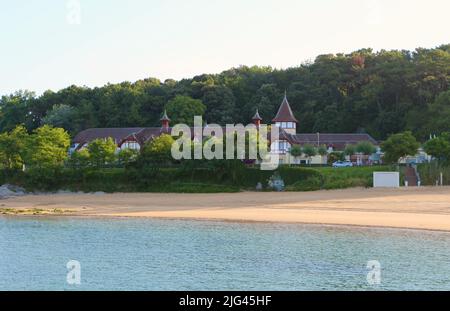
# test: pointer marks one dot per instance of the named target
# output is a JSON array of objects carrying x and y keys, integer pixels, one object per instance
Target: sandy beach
[{"x": 418, "y": 208}]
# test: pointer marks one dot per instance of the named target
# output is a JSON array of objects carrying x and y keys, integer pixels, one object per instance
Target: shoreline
[
  {"x": 313, "y": 224},
  {"x": 425, "y": 208}
]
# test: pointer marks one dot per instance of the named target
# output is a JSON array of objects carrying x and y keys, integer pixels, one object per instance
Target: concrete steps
[{"x": 411, "y": 177}]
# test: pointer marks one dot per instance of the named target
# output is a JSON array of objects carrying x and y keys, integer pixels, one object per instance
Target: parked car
[{"x": 343, "y": 164}]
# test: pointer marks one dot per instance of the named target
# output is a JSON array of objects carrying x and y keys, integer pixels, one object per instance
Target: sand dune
[{"x": 419, "y": 208}]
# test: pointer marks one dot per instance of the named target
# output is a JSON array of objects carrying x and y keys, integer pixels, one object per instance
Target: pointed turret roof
[
  {"x": 285, "y": 112},
  {"x": 257, "y": 116},
  {"x": 165, "y": 117}
]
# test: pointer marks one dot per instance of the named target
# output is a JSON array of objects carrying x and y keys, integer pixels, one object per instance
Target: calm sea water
[{"x": 142, "y": 254}]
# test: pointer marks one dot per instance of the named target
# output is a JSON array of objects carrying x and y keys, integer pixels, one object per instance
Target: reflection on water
[{"x": 145, "y": 254}]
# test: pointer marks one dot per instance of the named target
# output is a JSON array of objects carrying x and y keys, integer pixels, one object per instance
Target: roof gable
[
  {"x": 103, "y": 133},
  {"x": 285, "y": 113}
]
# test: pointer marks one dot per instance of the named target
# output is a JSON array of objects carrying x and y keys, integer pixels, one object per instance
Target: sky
[{"x": 52, "y": 44}]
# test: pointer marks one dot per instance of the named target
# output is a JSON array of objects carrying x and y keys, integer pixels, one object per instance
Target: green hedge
[
  {"x": 218, "y": 178},
  {"x": 309, "y": 184},
  {"x": 350, "y": 177}
]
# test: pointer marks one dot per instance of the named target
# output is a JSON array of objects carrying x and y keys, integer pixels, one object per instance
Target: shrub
[
  {"x": 296, "y": 151},
  {"x": 179, "y": 179},
  {"x": 79, "y": 159},
  {"x": 335, "y": 156},
  {"x": 431, "y": 172},
  {"x": 337, "y": 183},
  {"x": 366, "y": 148},
  {"x": 127, "y": 157},
  {"x": 46, "y": 179},
  {"x": 350, "y": 177},
  {"x": 157, "y": 151},
  {"x": 309, "y": 184},
  {"x": 398, "y": 146},
  {"x": 102, "y": 152},
  {"x": 291, "y": 175}
]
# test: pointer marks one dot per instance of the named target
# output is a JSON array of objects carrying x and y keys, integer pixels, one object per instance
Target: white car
[{"x": 343, "y": 164}]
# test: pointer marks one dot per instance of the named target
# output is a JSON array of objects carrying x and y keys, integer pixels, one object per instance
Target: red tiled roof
[
  {"x": 144, "y": 134},
  {"x": 149, "y": 133},
  {"x": 285, "y": 113},
  {"x": 338, "y": 141},
  {"x": 117, "y": 134}
]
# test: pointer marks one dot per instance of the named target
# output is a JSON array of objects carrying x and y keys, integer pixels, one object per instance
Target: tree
[
  {"x": 13, "y": 148},
  {"x": 328, "y": 120},
  {"x": 398, "y": 146},
  {"x": 14, "y": 110},
  {"x": 296, "y": 151},
  {"x": 439, "y": 147},
  {"x": 158, "y": 150},
  {"x": 61, "y": 116},
  {"x": 439, "y": 114},
  {"x": 266, "y": 100},
  {"x": 350, "y": 150},
  {"x": 309, "y": 151},
  {"x": 220, "y": 104},
  {"x": 127, "y": 156},
  {"x": 382, "y": 92},
  {"x": 47, "y": 147},
  {"x": 183, "y": 109},
  {"x": 365, "y": 148},
  {"x": 85, "y": 116},
  {"x": 79, "y": 159},
  {"x": 322, "y": 150},
  {"x": 102, "y": 152}
]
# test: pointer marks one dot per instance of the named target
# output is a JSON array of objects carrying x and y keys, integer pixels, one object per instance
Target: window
[
  {"x": 280, "y": 146},
  {"x": 283, "y": 146},
  {"x": 131, "y": 145}
]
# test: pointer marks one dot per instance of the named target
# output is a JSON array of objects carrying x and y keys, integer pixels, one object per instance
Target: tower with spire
[
  {"x": 165, "y": 121},
  {"x": 257, "y": 119},
  {"x": 285, "y": 118}
]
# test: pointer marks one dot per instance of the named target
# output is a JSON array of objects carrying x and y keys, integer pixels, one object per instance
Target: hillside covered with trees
[{"x": 380, "y": 93}]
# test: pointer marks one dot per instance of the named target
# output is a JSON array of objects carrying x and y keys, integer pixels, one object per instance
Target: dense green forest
[{"x": 380, "y": 93}]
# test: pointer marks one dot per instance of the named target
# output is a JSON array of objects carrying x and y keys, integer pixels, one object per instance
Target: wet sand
[{"x": 417, "y": 208}]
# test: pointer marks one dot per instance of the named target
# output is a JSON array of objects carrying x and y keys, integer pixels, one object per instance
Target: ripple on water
[{"x": 146, "y": 254}]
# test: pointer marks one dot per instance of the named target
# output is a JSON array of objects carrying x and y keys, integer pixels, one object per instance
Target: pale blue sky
[{"x": 119, "y": 40}]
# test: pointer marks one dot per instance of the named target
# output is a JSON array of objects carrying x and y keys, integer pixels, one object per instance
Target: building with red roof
[{"x": 285, "y": 120}]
